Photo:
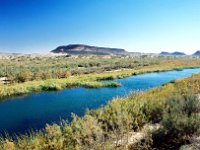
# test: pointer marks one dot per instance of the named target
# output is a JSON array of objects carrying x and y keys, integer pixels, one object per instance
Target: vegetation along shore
[{"x": 41, "y": 76}]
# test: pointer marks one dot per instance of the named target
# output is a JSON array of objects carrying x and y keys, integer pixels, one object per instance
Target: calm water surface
[{"x": 21, "y": 114}]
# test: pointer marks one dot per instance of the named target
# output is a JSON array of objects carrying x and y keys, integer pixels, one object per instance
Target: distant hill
[
  {"x": 173, "y": 54},
  {"x": 197, "y": 53},
  {"x": 164, "y": 53},
  {"x": 79, "y": 49},
  {"x": 178, "y": 53},
  {"x": 9, "y": 54}
]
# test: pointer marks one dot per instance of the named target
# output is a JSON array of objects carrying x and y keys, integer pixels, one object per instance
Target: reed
[{"x": 50, "y": 85}]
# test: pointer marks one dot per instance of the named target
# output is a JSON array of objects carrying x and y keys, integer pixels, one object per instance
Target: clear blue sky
[{"x": 30, "y": 26}]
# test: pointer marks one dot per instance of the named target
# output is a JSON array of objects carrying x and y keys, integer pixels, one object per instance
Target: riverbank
[
  {"x": 23, "y": 69},
  {"x": 50, "y": 85},
  {"x": 108, "y": 125},
  {"x": 87, "y": 81}
]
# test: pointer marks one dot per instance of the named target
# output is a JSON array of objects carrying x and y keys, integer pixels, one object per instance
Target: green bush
[
  {"x": 25, "y": 75},
  {"x": 181, "y": 115}
]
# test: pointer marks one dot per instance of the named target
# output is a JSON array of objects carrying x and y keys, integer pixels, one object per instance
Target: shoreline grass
[{"x": 50, "y": 85}]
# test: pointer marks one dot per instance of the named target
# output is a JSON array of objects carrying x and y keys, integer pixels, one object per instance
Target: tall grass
[{"x": 50, "y": 85}]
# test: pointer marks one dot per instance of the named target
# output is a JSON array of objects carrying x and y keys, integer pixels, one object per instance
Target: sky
[{"x": 38, "y": 26}]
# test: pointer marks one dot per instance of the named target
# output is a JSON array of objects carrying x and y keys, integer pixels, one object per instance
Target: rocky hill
[
  {"x": 78, "y": 49},
  {"x": 173, "y": 54},
  {"x": 197, "y": 53}
]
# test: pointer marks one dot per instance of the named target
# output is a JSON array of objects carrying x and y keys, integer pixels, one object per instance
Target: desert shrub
[
  {"x": 8, "y": 145},
  {"x": 181, "y": 115},
  {"x": 87, "y": 131},
  {"x": 25, "y": 75},
  {"x": 70, "y": 140},
  {"x": 54, "y": 139},
  {"x": 67, "y": 74}
]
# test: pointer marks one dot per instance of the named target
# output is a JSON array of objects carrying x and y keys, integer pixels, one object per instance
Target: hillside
[
  {"x": 197, "y": 53},
  {"x": 173, "y": 54},
  {"x": 79, "y": 49}
]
